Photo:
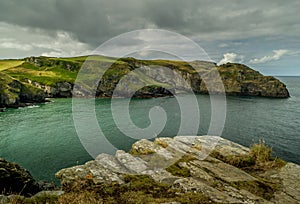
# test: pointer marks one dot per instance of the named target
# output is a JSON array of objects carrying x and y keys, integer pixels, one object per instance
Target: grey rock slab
[
  {"x": 290, "y": 177},
  {"x": 131, "y": 162},
  {"x": 192, "y": 185},
  {"x": 173, "y": 145},
  {"x": 197, "y": 172},
  {"x": 146, "y": 147},
  {"x": 51, "y": 193},
  {"x": 223, "y": 171},
  {"x": 210, "y": 143},
  {"x": 90, "y": 170},
  {"x": 110, "y": 162},
  {"x": 155, "y": 155}
]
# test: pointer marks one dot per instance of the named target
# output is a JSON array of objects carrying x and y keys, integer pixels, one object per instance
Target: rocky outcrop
[
  {"x": 181, "y": 77},
  {"x": 59, "y": 90},
  {"x": 15, "y": 179},
  {"x": 238, "y": 79},
  {"x": 14, "y": 93},
  {"x": 180, "y": 163},
  {"x": 52, "y": 62}
]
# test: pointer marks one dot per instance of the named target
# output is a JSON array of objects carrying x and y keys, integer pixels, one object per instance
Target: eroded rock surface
[{"x": 184, "y": 163}]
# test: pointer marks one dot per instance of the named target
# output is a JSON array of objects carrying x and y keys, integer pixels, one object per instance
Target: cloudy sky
[{"x": 264, "y": 34}]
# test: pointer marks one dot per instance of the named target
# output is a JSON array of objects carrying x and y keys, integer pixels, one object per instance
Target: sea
[{"x": 43, "y": 138}]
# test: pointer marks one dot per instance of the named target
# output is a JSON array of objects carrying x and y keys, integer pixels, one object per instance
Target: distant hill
[{"x": 34, "y": 78}]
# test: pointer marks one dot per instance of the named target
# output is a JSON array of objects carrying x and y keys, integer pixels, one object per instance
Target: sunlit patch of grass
[
  {"x": 31, "y": 72},
  {"x": 6, "y": 64}
]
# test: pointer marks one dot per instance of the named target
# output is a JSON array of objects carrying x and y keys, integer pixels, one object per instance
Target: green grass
[
  {"x": 172, "y": 64},
  {"x": 50, "y": 71},
  {"x": 6, "y": 64},
  {"x": 136, "y": 189},
  {"x": 43, "y": 75},
  {"x": 92, "y": 58},
  {"x": 177, "y": 170}
]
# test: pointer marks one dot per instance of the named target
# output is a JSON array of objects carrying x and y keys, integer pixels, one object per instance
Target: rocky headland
[
  {"x": 37, "y": 78},
  {"x": 174, "y": 170}
]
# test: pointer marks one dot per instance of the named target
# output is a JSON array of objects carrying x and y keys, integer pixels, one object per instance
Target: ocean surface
[{"x": 43, "y": 139}]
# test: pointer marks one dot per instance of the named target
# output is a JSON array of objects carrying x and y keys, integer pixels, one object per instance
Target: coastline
[{"x": 35, "y": 83}]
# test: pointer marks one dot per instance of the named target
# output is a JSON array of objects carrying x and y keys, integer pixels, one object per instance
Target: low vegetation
[
  {"x": 259, "y": 158},
  {"x": 258, "y": 162},
  {"x": 177, "y": 169},
  {"x": 6, "y": 64},
  {"x": 136, "y": 189}
]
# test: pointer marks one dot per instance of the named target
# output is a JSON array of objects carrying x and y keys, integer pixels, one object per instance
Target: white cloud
[
  {"x": 38, "y": 42},
  {"x": 277, "y": 54},
  {"x": 231, "y": 57},
  {"x": 14, "y": 44}
]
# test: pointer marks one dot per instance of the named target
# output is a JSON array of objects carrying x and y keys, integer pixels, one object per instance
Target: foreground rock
[
  {"x": 16, "y": 180},
  {"x": 182, "y": 164}
]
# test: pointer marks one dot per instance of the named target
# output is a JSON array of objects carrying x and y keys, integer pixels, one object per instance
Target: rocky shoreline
[{"x": 173, "y": 170}]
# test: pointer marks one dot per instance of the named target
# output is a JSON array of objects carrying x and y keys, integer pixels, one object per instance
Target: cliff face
[
  {"x": 14, "y": 93},
  {"x": 182, "y": 77},
  {"x": 239, "y": 79},
  {"x": 231, "y": 174},
  {"x": 56, "y": 77}
]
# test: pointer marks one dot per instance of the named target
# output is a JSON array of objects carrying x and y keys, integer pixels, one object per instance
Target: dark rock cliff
[
  {"x": 181, "y": 77},
  {"x": 14, "y": 93},
  {"x": 15, "y": 179}
]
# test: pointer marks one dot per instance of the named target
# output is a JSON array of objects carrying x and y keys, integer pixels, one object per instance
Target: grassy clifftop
[{"x": 53, "y": 75}]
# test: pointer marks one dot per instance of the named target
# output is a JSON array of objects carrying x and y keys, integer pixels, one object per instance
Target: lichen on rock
[{"x": 179, "y": 165}]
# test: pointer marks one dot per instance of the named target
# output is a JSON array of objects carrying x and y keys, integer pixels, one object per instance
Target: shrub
[
  {"x": 258, "y": 158},
  {"x": 260, "y": 152}
]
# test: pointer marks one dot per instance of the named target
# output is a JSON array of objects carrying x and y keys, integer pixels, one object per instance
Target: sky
[{"x": 263, "y": 34}]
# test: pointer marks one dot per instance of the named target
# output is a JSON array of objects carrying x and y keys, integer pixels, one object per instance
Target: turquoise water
[{"x": 43, "y": 139}]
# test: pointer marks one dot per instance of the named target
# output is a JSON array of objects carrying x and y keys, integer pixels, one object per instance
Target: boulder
[{"x": 16, "y": 180}]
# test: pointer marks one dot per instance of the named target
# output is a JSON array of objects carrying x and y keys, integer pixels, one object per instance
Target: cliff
[
  {"x": 173, "y": 170},
  {"x": 56, "y": 78},
  {"x": 14, "y": 93}
]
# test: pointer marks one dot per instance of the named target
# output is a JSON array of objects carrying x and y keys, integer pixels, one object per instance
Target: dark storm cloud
[
  {"x": 86, "y": 21},
  {"x": 94, "y": 21},
  {"x": 238, "y": 30}
]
